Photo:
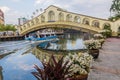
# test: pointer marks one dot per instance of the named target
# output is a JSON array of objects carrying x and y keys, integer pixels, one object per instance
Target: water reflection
[
  {"x": 19, "y": 65},
  {"x": 66, "y": 42},
  {"x": 44, "y": 55}
]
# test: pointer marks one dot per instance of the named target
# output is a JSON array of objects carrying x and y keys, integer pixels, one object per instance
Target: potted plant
[
  {"x": 106, "y": 33},
  {"x": 101, "y": 41},
  {"x": 80, "y": 65},
  {"x": 98, "y": 36},
  {"x": 53, "y": 70},
  {"x": 93, "y": 47}
]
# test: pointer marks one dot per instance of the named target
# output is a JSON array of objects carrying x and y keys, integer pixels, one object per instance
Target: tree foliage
[
  {"x": 7, "y": 27},
  {"x": 115, "y": 7},
  {"x": 108, "y": 31}
]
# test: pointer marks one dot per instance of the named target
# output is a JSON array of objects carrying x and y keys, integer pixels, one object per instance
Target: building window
[
  {"x": 77, "y": 19},
  {"x": 61, "y": 17},
  {"x": 42, "y": 18},
  {"x": 51, "y": 16},
  {"x": 95, "y": 24},
  {"x": 37, "y": 20},
  {"x": 69, "y": 17},
  {"x": 86, "y": 21}
]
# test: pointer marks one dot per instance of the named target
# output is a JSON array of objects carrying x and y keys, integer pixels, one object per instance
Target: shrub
[{"x": 53, "y": 70}]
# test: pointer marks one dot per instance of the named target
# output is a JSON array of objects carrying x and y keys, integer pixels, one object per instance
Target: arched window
[
  {"x": 32, "y": 22},
  {"x": 107, "y": 26},
  {"x": 37, "y": 20},
  {"x": 96, "y": 24},
  {"x": 28, "y": 24},
  {"x": 51, "y": 16},
  {"x": 77, "y": 19},
  {"x": 42, "y": 18},
  {"x": 69, "y": 17},
  {"x": 21, "y": 29},
  {"x": 61, "y": 17},
  {"x": 119, "y": 29},
  {"x": 24, "y": 26},
  {"x": 86, "y": 21}
]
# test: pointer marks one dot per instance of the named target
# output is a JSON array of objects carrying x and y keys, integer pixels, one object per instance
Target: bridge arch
[
  {"x": 86, "y": 21},
  {"x": 77, "y": 19},
  {"x": 106, "y": 26},
  {"x": 51, "y": 16},
  {"x": 60, "y": 16},
  {"x": 96, "y": 23},
  {"x": 62, "y": 24},
  {"x": 69, "y": 17}
]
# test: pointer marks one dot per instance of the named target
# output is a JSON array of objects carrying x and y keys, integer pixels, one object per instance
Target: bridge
[{"x": 53, "y": 17}]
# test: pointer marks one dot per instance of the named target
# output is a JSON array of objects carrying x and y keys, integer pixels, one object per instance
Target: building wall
[
  {"x": 1, "y": 17},
  {"x": 22, "y": 20},
  {"x": 116, "y": 25}
]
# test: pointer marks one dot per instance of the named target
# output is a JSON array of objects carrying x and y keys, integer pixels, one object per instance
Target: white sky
[{"x": 14, "y": 9}]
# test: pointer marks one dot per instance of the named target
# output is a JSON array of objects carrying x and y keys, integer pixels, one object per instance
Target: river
[{"x": 20, "y": 57}]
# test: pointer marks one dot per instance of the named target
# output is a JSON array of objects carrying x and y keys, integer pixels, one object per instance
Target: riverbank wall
[{"x": 13, "y": 38}]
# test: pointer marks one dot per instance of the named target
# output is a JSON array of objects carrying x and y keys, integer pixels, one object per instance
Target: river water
[{"x": 20, "y": 56}]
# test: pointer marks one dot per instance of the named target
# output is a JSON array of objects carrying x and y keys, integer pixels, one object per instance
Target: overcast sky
[{"x": 13, "y": 9}]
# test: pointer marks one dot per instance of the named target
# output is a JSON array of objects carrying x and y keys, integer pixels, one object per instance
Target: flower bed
[
  {"x": 92, "y": 44},
  {"x": 93, "y": 47},
  {"x": 98, "y": 36},
  {"x": 80, "y": 64}
]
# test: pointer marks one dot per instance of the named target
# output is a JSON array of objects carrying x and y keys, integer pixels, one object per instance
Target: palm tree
[{"x": 115, "y": 7}]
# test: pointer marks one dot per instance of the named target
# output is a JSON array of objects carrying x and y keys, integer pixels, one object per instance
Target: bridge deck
[{"x": 107, "y": 67}]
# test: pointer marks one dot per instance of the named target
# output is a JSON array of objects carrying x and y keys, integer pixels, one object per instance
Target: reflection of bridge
[
  {"x": 44, "y": 55},
  {"x": 57, "y": 17}
]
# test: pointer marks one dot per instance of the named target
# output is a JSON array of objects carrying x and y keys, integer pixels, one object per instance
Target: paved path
[{"x": 107, "y": 66}]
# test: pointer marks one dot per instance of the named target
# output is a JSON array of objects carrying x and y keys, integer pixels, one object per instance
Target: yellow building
[{"x": 1, "y": 17}]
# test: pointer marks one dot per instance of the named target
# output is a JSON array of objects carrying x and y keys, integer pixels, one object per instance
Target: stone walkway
[{"x": 107, "y": 66}]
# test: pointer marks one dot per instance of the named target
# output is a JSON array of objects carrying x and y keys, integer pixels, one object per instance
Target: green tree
[
  {"x": 108, "y": 31},
  {"x": 115, "y": 7},
  {"x": 7, "y": 28},
  {"x": 2, "y": 27}
]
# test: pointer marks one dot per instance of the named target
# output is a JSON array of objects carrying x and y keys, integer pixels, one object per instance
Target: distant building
[
  {"x": 1, "y": 17},
  {"x": 22, "y": 20}
]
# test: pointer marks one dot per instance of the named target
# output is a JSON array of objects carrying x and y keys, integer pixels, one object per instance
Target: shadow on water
[
  {"x": 1, "y": 75},
  {"x": 5, "y": 54}
]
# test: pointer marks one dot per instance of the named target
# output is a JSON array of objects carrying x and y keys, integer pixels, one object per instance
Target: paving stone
[{"x": 107, "y": 66}]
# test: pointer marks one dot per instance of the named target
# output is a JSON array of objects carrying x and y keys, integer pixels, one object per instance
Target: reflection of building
[
  {"x": 1, "y": 17},
  {"x": 22, "y": 20}
]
